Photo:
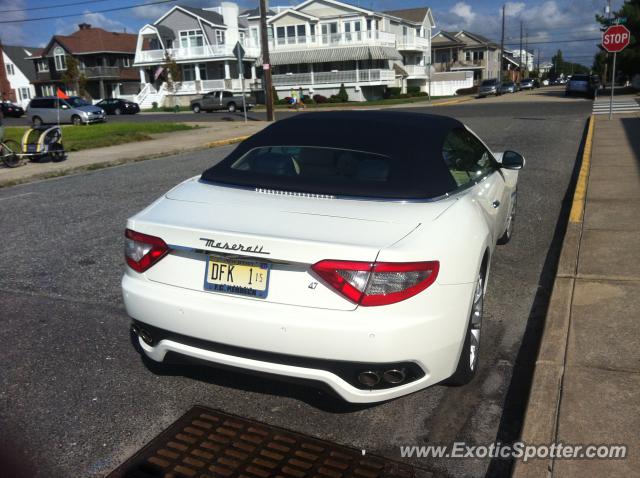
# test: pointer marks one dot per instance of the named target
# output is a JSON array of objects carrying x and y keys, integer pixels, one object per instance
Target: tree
[
  {"x": 628, "y": 60},
  {"x": 71, "y": 76},
  {"x": 558, "y": 65},
  {"x": 342, "y": 95},
  {"x": 173, "y": 76}
]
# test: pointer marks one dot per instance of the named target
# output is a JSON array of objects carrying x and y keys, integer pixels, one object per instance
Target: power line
[
  {"x": 52, "y": 6},
  {"x": 53, "y": 17},
  {"x": 559, "y": 41}
]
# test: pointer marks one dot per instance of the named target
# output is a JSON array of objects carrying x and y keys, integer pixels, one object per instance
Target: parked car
[
  {"x": 350, "y": 248},
  {"x": 11, "y": 109},
  {"x": 545, "y": 82},
  {"x": 508, "y": 87},
  {"x": 582, "y": 85},
  {"x": 527, "y": 84},
  {"x": 75, "y": 110},
  {"x": 221, "y": 100},
  {"x": 117, "y": 106},
  {"x": 536, "y": 83},
  {"x": 489, "y": 87}
]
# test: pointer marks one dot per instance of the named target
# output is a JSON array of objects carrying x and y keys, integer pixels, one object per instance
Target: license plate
[{"x": 237, "y": 277}]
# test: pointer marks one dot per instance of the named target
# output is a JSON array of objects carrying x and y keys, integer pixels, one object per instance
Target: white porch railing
[
  {"x": 326, "y": 77},
  {"x": 333, "y": 40},
  {"x": 413, "y": 43},
  {"x": 210, "y": 85},
  {"x": 415, "y": 70},
  {"x": 194, "y": 53}
]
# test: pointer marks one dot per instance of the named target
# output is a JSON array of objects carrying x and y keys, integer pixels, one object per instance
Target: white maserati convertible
[{"x": 347, "y": 248}]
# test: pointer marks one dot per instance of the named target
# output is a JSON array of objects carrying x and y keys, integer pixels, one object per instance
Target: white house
[
  {"x": 525, "y": 58},
  {"x": 315, "y": 46},
  {"x": 20, "y": 72}
]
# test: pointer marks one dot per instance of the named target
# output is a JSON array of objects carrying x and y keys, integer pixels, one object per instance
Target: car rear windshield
[
  {"x": 314, "y": 164},
  {"x": 579, "y": 78}
]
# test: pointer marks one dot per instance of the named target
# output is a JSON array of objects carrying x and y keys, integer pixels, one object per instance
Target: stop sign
[{"x": 616, "y": 38}]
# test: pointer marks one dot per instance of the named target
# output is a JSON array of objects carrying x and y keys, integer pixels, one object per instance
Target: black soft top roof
[{"x": 412, "y": 141}]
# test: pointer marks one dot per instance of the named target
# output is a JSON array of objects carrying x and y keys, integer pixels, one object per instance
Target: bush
[
  {"x": 413, "y": 90},
  {"x": 275, "y": 95},
  {"x": 391, "y": 92},
  {"x": 467, "y": 91},
  {"x": 342, "y": 95},
  {"x": 320, "y": 99},
  {"x": 154, "y": 105}
]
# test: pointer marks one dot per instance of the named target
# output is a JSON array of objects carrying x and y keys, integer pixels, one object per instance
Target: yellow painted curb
[
  {"x": 577, "y": 208},
  {"x": 452, "y": 102},
  {"x": 224, "y": 142}
]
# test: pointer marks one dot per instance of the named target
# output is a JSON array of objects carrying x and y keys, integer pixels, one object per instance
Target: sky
[{"x": 548, "y": 24}]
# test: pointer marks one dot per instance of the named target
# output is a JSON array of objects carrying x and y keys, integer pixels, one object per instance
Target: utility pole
[
  {"x": 502, "y": 43},
  {"x": 526, "y": 50},
  {"x": 266, "y": 65},
  {"x": 520, "y": 56},
  {"x": 607, "y": 11}
]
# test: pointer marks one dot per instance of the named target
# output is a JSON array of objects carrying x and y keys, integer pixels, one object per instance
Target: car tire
[
  {"x": 508, "y": 231},
  {"x": 76, "y": 120},
  {"x": 196, "y": 108},
  {"x": 231, "y": 107},
  {"x": 36, "y": 121},
  {"x": 117, "y": 111},
  {"x": 469, "y": 355}
]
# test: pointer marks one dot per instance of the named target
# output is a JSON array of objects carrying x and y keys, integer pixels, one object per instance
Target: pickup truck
[{"x": 221, "y": 100}]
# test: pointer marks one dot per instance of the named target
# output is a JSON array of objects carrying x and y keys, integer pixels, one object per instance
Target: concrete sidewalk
[
  {"x": 586, "y": 387},
  {"x": 208, "y": 135}
]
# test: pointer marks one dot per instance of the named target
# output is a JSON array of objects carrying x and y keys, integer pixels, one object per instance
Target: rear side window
[
  {"x": 580, "y": 78},
  {"x": 227, "y": 94},
  {"x": 314, "y": 163},
  {"x": 466, "y": 157}
]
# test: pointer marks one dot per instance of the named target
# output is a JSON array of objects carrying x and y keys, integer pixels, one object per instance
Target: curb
[
  {"x": 452, "y": 102},
  {"x": 114, "y": 162},
  {"x": 543, "y": 406}
]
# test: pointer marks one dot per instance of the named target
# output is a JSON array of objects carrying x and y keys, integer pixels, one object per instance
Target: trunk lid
[{"x": 290, "y": 233}]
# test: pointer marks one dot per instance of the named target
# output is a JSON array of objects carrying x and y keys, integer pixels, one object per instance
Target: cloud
[
  {"x": 513, "y": 9},
  {"x": 98, "y": 20},
  {"x": 463, "y": 10},
  {"x": 13, "y": 33}
]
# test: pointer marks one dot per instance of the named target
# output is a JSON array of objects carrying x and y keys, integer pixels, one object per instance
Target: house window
[
  {"x": 42, "y": 66},
  {"x": 10, "y": 69},
  {"x": 220, "y": 37},
  {"x": 352, "y": 30},
  {"x": 60, "y": 59},
  {"x": 191, "y": 38},
  {"x": 188, "y": 72},
  {"x": 126, "y": 61},
  {"x": 301, "y": 32},
  {"x": 254, "y": 36},
  {"x": 467, "y": 56},
  {"x": 203, "y": 71},
  {"x": 291, "y": 34},
  {"x": 25, "y": 94},
  {"x": 281, "y": 35}
]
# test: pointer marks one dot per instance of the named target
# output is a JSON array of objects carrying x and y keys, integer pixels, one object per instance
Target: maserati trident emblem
[{"x": 235, "y": 247}]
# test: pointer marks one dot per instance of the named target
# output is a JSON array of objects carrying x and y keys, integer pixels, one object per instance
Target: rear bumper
[{"x": 427, "y": 331}]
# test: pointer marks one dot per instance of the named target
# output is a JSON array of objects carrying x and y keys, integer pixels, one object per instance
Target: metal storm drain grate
[{"x": 206, "y": 443}]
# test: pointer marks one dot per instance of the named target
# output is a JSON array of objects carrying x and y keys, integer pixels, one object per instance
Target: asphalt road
[
  {"x": 500, "y": 106},
  {"x": 76, "y": 399}
]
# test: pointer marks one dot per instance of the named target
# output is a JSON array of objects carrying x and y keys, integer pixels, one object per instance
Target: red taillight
[
  {"x": 142, "y": 251},
  {"x": 377, "y": 283}
]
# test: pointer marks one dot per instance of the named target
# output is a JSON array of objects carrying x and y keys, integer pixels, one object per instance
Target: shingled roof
[
  {"x": 208, "y": 15},
  {"x": 89, "y": 40},
  {"x": 19, "y": 55},
  {"x": 415, "y": 15}
]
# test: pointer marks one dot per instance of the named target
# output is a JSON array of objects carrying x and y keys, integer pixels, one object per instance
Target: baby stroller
[{"x": 38, "y": 144}]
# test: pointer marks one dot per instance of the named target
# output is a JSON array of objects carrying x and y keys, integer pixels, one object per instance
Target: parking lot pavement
[{"x": 76, "y": 399}]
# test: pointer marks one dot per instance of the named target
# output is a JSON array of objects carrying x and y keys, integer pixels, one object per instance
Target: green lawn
[{"x": 76, "y": 138}]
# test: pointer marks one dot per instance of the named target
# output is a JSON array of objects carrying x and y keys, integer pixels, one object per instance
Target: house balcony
[
  {"x": 375, "y": 76},
  {"x": 416, "y": 70},
  {"x": 98, "y": 72},
  {"x": 198, "y": 53},
  {"x": 413, "y": 43},
  {"x": 368, "y": 38}
]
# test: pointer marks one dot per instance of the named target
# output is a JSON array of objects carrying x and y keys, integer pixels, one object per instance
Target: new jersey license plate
[{"x": 237, "y": 277}]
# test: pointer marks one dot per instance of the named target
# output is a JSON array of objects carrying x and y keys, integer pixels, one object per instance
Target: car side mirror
[{"x": 512, "y": 160}]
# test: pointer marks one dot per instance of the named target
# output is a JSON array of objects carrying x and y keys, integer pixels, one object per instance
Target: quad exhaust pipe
[{"x": 371, "y": 378}]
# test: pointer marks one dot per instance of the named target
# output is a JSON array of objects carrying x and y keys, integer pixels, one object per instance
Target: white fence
[
  {"x": 446, "y": 84},
  {"x": 327, "y": 77}
]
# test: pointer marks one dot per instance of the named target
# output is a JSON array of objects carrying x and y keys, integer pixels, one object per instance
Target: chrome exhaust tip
[
  {"x": 369, "y": 378},
  {"x": 145, "y": 335},
  {"x": 394, "y": 376}
]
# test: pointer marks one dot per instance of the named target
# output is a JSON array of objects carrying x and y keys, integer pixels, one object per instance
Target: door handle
[{"x": 495, "y": 203}]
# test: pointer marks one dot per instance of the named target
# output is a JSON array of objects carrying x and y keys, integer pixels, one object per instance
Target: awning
[{"x": 326, "y": 55}]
